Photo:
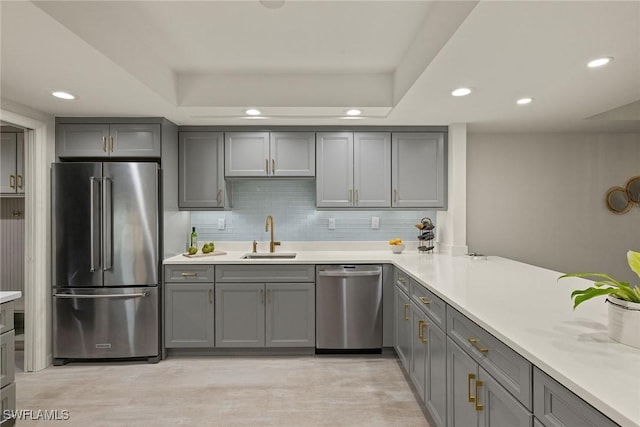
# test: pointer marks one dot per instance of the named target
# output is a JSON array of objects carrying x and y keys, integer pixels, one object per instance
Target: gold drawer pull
[
  {"x": 210, "y": 296},
  {"x": 104, "y": 144},
  {"x": 424, "y": 300},
  {"x": 402, "y": 281},
  {"x": 421, "y": 334},
  {"x": 474, "y": 343},
  {"x": 111, "y": 143},
  {"x": 406, "y": 314},
  {"x": 470, "y": 378},
  {"x": 479, "y": 407},
  {"x": 12, "y": 181},
  {"x": 184, "y": 274}
]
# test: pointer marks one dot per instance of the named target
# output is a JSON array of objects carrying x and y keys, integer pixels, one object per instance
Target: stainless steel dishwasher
[{"x": 348, "y": 308}]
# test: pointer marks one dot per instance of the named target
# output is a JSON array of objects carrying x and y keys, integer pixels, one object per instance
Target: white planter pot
[{"x": 624, "y": 321}]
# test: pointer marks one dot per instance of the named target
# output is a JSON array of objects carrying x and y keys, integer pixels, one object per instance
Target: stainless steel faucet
[{"x": 272, "y": 244}]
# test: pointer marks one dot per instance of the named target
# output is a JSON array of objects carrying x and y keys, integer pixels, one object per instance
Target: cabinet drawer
[
  {"x": 265, "y": 273},
  {"x": 6, "y": 317},
  {"x": 188, "y": 273},
  {"x": 510, "y": 369},
  {"x": 7, "y": 358},
  {"x": 401, "y": 279},
  {"x": 556, "y": 406},
  {"x": 428, "y": 302}
]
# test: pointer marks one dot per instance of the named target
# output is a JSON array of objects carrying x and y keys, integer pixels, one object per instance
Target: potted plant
[{"x": 623, "y": 299}]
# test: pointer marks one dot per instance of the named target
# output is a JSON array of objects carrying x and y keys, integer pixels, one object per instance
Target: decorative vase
[{"x": 624, "y": 321}]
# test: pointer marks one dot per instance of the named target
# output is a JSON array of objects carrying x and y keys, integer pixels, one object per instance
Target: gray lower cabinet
[
  {"x": 402, "y": 326},
  {"x": 556, "y": 406},
  {"x": 115, "y": 140},
  {"x": 475, "y": 399},
  {"x": 7, "y": 364},
  {"x": 265, "y": 315},
  {"x": 201, "y": 181},
  {"x": 189, "y": 306},
  {"x": 189, "y": 315}
]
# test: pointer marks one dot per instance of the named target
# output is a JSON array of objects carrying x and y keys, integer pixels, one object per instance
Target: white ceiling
[{"x": 307, "y": 62}]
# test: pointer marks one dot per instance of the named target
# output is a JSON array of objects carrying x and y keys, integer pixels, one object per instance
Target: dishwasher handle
[{"x": 353, "y": 273}]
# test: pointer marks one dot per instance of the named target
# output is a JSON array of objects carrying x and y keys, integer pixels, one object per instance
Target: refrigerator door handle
[
  {"x": 92, "y": 223},
  {"x": 134, "y": 295},
  {"x": 107, "y": 225}
]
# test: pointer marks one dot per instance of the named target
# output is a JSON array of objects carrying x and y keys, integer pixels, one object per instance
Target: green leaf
[
  {"x": 591, "y": 294},
  {"x": 633, "y": 258},
  {"x": 591, "y": 275}
]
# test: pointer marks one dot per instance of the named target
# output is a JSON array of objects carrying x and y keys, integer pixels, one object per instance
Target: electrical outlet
[
  {"x": 332, "y": 223},
  {"x": 220, "y": 223},
  {"x": 375, "y": 222}
]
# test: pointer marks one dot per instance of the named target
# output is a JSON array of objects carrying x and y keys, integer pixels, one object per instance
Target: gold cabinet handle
[
  {"x": 20, "y": 181},
  {"x": 12, "y": 181},
  {"x": 424, "y": 300},
  {"x": 185, "y": 274},
  {"x": 104, "y": 144},
  {"x": 402, "y": 281},
  {"x": 406, "y": 314},
  {"x": 210, "y": 296},
  {"x": 421, "y": 325},
  {"x": 219, "y": 197},
  {"x": 474, "y": 343},
  {"x": 356, "y": 197},
  {"x": 261, "y": 296},
  {"x": 470, "y": 378},
  {"x": 479, "y": 407},
  {"x": 111, "y": 143},
  {"x": 268, "y": 296},
  {"x": 273, "y": 166},
  {"x": 395, "y": 196},
  {"x": 266, "y": 166},
  {"x": 350, "y": 196}
]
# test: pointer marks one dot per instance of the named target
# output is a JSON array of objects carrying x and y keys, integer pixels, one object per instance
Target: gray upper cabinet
[
  {"x": 12, "y": 164},
  {"x": 264, "y": 154},
  {"x": 76, "y": 140},
  {"x": 418, "y": 170},
  {"x": 354, "y": 169},
  {"x": 201, "y": 170}
]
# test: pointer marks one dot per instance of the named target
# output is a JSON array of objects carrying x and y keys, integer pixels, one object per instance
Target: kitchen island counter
[{"x": 522, "y": 305}]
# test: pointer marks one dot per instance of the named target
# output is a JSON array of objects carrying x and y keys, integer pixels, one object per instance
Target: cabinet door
[
  {"x": 7, "y": 358},
  {"x": 334, "y": 180},
  {"x": 290, "y": 316},
  {"x": 293, "y": 154},
  {"x": 82, "y": 140},
  {"x": 496, "y": 407},
  {"x": 462, "y": 374},
  {"x": 240, "y": 315},
  {"x": 417, "y": 361},
  {"x": 402, "y": 334},
  {"x": 20, "y": 163},
  {"x": 8, "y": 179},
  {"x": 372, "y": 169},
  {"x": 418, "y": 170},
  {"x": 435, "y": 389},
  {"x": 246, "y": 154},
  {"x": 134, "y": 140},
  {"x": 201, "y": 170},
  {"x": 189, "y": 315}
]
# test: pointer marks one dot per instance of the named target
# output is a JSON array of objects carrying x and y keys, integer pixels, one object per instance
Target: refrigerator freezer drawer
[{"x": 105, "y": 323}]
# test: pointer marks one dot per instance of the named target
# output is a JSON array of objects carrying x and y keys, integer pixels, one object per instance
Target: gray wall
[{"x": 540, "y": 199}]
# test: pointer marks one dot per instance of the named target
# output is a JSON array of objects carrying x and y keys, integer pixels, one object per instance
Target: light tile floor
[{"x": 226, "y": 391}]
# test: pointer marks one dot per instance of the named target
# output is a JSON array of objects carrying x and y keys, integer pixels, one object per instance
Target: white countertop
[
  {"x": 6, "y": 296},
  {"x": 522, "y": 305}
]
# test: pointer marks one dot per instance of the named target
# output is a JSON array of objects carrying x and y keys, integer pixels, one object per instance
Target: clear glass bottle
[{"x": 194, "y": 238}]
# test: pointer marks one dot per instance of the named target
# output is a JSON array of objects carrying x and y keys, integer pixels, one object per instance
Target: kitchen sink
[{"x": 267, "y": 255}]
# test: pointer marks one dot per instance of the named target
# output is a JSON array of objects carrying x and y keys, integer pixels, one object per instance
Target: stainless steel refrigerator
[{"x": 105, "y": 236}]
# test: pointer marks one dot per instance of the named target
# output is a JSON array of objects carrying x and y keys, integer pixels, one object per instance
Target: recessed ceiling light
[
  {"x": 63, "y": 95},
  {"x": 461, "y": 91},
  {"x": 252, "y": 112},
  {"x": 599, "y": 62},
  {"x": 524, "y": 101},
  {"x": 354, "y": 112}
]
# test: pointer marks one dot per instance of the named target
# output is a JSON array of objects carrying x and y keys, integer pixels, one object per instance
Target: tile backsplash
[{"x": 292, "y": 205}]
